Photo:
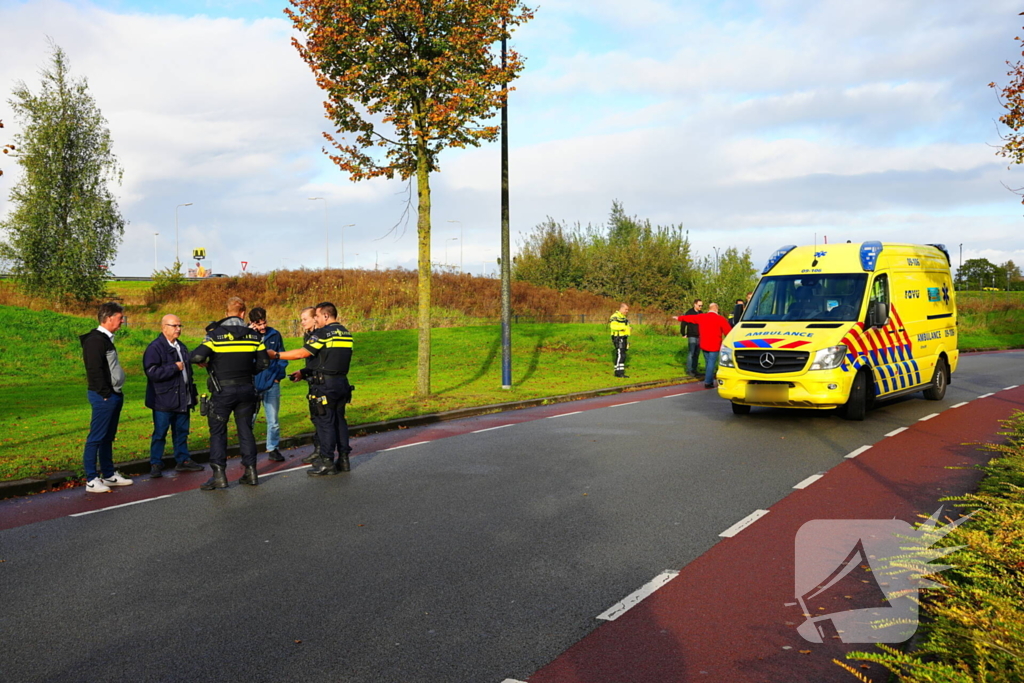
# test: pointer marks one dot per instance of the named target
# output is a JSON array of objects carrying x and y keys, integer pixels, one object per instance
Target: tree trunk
[{"x": 423, "y": 235}]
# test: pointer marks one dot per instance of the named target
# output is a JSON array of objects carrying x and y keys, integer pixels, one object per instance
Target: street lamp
[
  {"x": 327, "y": 236},
  {"x": 376, "y": 256},
  {"x": 155, "y": 234},
  {"x": 716, "y": 259},
  {"x": 177, "y": 253},
  {"x": 461, "y": 242},
  {"x": 450, "y": 239}
]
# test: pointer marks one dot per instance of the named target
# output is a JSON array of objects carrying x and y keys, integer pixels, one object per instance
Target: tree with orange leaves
[
  {"x": 1011, "y": 97},
  {"x": 407, "y": 79}
]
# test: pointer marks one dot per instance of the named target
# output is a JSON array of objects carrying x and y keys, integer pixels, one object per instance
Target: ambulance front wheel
[
  {"x": 740, "y": 409},
  {"x": 856, "y": 406},
  {"x": 937, "y": 390}
]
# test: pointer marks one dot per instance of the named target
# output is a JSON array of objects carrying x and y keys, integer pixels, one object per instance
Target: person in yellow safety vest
[{"x": 620, "y": 339}]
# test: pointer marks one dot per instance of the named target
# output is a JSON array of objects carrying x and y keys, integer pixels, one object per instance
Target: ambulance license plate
[{"x": 767, "y": 393}]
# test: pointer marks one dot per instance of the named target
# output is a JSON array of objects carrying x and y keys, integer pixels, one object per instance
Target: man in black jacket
[
  {"x": 106, "y": 380},
  {"x": 232, "y": 353},
  {"x": 692, "y": 333},
  {"x": 170, "y": 394}
]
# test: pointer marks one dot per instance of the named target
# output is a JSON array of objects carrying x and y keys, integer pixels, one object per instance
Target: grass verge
[
  {"x": 44, "y": 414},
  {"x": 973, "y": 629}
]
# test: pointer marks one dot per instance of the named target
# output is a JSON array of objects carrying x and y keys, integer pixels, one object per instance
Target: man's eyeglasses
[{"x": 171, "y": 325}]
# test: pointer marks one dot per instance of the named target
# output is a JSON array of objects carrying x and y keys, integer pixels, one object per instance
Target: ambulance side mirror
[{"x": 878, "y": 314}]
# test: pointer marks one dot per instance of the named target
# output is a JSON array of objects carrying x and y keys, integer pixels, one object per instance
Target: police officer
[
  {"x": 232, "y": 354},
  {"x": 307, "y": 319},
  {"x": 330, "y": 391},
  {"x": 619, "y": 324}
]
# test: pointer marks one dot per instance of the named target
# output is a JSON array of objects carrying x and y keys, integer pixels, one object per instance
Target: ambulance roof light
[
  {"x": 776, "y": 257},
  {"x": 942, "y": 248},
  {"x": 869, "y": 252}
]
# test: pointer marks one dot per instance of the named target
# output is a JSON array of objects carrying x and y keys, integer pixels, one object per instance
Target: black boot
[
  {"x": 219, "y": 480},
  {"x": 250, "y": 477},
  {"x": 308, "y": 460},
  {"x": 343, "y": 465},
  {"x": 322, "y": 467}
]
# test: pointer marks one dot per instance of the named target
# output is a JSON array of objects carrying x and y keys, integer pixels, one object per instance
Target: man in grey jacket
[{"x": 106, "y": 380}]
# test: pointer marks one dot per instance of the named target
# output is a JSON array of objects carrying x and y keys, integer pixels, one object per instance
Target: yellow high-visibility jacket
[{"x": 619, "y": 324}]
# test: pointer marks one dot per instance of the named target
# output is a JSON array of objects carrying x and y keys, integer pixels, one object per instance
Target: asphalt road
[{"x": 479, "y": 556}]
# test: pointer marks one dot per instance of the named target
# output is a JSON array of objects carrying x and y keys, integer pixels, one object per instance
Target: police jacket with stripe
[
  {"x": 332, "y": 347},
  {"x": 233, "y": 352}
]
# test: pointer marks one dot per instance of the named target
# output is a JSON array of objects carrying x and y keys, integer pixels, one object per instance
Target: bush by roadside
[{"x": 972, "y": 629}]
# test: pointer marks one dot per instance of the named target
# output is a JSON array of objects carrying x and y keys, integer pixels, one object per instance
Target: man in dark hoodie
[{"x": 106, "y": 380}]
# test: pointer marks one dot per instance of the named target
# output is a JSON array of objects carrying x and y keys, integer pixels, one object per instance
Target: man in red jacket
[{"x": 713, "y": 327}]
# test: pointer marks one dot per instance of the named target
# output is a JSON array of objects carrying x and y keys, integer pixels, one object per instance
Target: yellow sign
[{"x": 198, "y": 254}]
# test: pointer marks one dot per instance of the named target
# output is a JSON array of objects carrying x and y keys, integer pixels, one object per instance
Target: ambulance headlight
[
  {"x": 725, "y": 358},
  {"x": 830, "y": 358}
]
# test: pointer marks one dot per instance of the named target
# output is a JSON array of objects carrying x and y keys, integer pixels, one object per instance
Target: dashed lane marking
[
  {"x": 512, "y": 680},
  {"x": 1013, "y": 387},
  {"x": 637, "y": 596},
  {"x": 960, "y": 405},
  {"x": 623, "y": 404},
  {"x": 395, "y": 448},
  {"x": 122, "y": 505},
  {"x": 985, "y": 395},
  {"x": 552, "y": 417},
  {"x": 808, "y": 481},
  {"x": 854, "y": 454},
  {"x": 896, "y": 431},
  {"x": 491, "y": 428},
  {"x": 290, "y": 469},
  {"x": 928, "y": 417},
  {"x": 743, "y": 523},
  {"x": 674, "y": 395}
]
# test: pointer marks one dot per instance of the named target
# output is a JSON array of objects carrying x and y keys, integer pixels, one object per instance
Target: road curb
[{"x": 30, "y": 485}]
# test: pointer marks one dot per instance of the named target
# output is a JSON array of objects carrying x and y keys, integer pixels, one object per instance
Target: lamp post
[
  {"x": 155, "y": 234},
  {"x": 376, "y": 255},
  {"x": 960, "y": 270},
  {"x": 716, "y": 259},
  {"x": 461, "y": 242},
  {"x": 177, "y": 253},
  {"x": 450, "y": 239},
  {"x": 327, "y": 236}
]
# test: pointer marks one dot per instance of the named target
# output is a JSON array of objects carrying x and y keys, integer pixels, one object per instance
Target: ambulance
[{"x": 840, "y": 326}]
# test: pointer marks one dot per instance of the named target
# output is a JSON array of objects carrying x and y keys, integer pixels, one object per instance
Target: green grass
[
  {"x": 44, "y": 414},
  {"x": 991, "y": 320}
]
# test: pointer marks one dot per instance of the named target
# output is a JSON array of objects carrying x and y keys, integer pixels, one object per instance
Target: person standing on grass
[
  {"x": 619, "y": 324},
  {"x": 307, "y": 319},
  {"x": 692, "y": 333},
  {"x": 106, "y": 380},
  {"x": 268, "y": 382},
  {"x": 170, "y": 394},
  {"x": 713, "y": 328}
]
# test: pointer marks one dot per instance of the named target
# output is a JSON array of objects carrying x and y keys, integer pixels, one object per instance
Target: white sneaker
[
  {"x": 117, "y": 480},
  {"x": 96, "y": 486}
]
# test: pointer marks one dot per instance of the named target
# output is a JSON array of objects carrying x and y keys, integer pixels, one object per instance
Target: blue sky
[{"x": 752, "y": 124}]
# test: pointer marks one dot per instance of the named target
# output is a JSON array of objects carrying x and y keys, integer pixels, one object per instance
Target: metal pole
[
  {"x": 177, "y": 253},
  {"x": 960, "y": 270},
  {"x": 155, "y": 234},
  {"x": 506, "y": 259}
]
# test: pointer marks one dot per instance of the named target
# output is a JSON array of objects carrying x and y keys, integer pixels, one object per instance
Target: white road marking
[
  {"x": 1013, "y": 387},
  {"x": 512, "y": 680},
  {"x": 674, "y": 395},
  {"x": 290, "y": 469},
  {"x": 960, "y": 405},
  {"x": 985, "y": 395},
  {"x": 743, "y": 523},
  {"x": 552, "y": 417},
  {"x": 623, "y": 404},
  {"x": 928, "y": 417},
  {"x": 854, "y": 454},
  {"x": 122, "y": 505},
  {"x": 808, "y": 481},
  {"x": 634, "y": 598},
  {"x": 896, "y": 431},
  {"x": 395, "y": 448},
  {"x": 490, "y": 428}
]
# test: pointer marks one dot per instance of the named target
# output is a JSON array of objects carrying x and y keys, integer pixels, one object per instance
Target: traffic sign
[{"x": 244, "y": 264}]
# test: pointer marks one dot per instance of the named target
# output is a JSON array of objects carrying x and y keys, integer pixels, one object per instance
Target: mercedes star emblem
[{"x": 767, "y": 360}]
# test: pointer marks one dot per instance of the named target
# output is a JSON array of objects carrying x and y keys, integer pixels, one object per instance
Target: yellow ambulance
[{"x": 841, "y": 326}]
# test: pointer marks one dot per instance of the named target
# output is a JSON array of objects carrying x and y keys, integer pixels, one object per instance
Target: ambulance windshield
[{"x": 807, "y": 297}]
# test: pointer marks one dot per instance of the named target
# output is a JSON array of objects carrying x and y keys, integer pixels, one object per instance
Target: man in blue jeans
[
  {"x": 106, "y": 380},
  {"x": 268, "y": 382},
  {"x": 170, "y": 394}
]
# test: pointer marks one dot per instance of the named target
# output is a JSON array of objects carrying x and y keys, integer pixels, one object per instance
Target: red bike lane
[{"x": 731, "y": 614}]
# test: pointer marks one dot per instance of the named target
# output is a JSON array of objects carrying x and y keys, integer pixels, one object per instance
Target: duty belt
[{"x": 235, "y": 382}]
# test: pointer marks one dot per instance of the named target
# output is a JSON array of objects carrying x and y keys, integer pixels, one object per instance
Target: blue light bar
[
  {"x": 776, "y": 257},
  {"x": 869, "y": 252}
]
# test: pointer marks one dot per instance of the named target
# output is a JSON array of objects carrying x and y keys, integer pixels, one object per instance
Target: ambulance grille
[{"x": 750, "y": 360}]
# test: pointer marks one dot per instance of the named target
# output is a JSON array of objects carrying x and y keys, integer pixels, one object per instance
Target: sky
[{"x": 752, "y": 124}]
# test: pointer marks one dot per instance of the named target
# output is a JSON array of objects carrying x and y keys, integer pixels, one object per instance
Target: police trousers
[
  {"x": 619, "y": 347},
  {"x": 240, "y": 400},
  {"x": 331, "y": 426}
]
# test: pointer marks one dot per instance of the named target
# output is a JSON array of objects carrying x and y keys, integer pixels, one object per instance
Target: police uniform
[
  {"x": 307, "y": 374},
  {"x": 620, "y": 342},
  {"x": 331, "y": 347},
  {"x": 234, "y": 353}
]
